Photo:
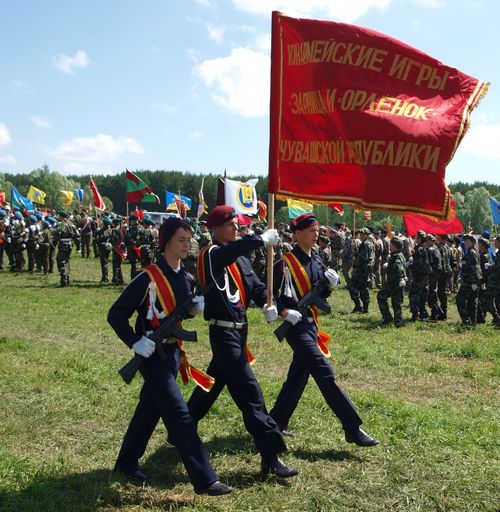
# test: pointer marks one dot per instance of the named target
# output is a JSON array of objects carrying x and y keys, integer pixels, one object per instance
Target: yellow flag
[
  {"x": 36, "y": 195},
  {"x": 68, "y": 196}
]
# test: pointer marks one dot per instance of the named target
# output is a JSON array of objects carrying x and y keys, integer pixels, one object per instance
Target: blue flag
[
  {"x": 495, "y": 210},
  {"x": 19, "y": 201},
  {"x": 79, "y": 194},
  {"x": 170, "y": 198}
]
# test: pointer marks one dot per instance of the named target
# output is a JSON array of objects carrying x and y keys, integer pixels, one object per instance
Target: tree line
[{"x": 472, "y": 198}]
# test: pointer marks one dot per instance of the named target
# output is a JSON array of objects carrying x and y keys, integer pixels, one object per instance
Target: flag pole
[
  {"x": 353, "y": 222},
  {"x": 270, "y": 251}
]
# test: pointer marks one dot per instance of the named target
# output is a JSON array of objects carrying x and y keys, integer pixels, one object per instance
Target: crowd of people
[{"x": 427, "y": 267}]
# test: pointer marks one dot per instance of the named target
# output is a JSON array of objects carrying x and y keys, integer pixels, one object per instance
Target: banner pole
[
  {"x": 270, "y": 251},
  {"x": 353, "y": 221}
]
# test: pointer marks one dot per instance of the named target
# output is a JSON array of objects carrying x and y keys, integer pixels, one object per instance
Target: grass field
[{"x": 428, "y": 392}]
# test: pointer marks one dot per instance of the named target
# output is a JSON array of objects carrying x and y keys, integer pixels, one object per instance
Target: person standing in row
[
  {"x": 118, "y": 254},
  {"x": 160, "y": 395},
  {"x": 468, "y": 292},
  {"x": 362, "y": 266},
  {"x": 420, "y": 270},
  {"x": 104, "y": 239},
  {"x": 64, "y": 234},
  {"x": 236, "y": 284},
  {"x": 294, "y": 275}
]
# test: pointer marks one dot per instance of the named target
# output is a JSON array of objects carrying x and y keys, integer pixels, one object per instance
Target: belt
[
  {"x": 66, "y": 240},
  {"x": 230, "y": 325},
  {"x": 146, "y": 246}
]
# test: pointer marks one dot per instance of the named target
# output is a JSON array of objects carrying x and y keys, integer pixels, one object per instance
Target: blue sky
[{"x": 97, "y": 86}]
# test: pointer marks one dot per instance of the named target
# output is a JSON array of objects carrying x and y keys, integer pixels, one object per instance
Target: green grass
[{"x": 429, "y": 392}]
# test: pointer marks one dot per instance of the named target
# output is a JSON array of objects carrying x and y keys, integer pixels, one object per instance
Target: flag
[
  {"x": 202, "y": 205},
  {"x": 36, "y": 195},
  {"x": 79, "y": 194},
  {"x": 138, "y": 213},
  {"x": 171, "y": 198},
  {"x": 181, "y": 207},
  {"x": 296, "y": 208},
  {"x": 98, "y": 202},
  {"x": 241, "y": 196},
  {"x": 388, "y": 226},
  {"x": 435, "y": 226},
  {"x": 243, "y": 220},
  {"x": 2, "y": 198},
  {"x": 337, "y": 208},
  {"x": 495, "y": 210},
  {"x": 262, "y": 209},
  {"x": 353, "y": 110},
  {"x": 68, "y": 196},
  {"x": 367, "y": 215},
  {"x": 138, "y": 191},
  {"x": 19, "y": 201}
]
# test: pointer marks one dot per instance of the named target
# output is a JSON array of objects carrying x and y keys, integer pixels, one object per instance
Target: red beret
[
  {"x": 303, "y": 221},
  {"x": 220, "y": 215}
]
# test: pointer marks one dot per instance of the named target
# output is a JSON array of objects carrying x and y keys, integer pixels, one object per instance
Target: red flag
[
  {"x": 262, "y": 209},
  {"x": 181, "y": 208},
  {"x": 98, "y": 202},
  {"x": 435, "y": 226},
  {"x": 139, "y": 213},
  {"x": 243, "y": 220},
  {"x": 2, "y": 198},
  {"x": 353, "y": 110},
  {"x": 337, "y": 208}
]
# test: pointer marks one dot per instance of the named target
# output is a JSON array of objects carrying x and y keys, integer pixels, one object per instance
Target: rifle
[
  {"x": 312, "y": 297},
  {"x": 168, "y": 329}
]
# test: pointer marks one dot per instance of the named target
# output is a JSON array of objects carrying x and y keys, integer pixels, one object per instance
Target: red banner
[
  {"x": 443, "y": 227},
  {"x": 98, "y": 202},
  {"x": 358, "y": 117},
  {"x": 2, "y": 198}
]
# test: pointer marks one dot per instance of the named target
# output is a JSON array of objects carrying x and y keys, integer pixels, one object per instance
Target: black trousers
[
  {"x": 308, "y": 360},
  {"x": 229, "y": 366},
  {"x": 161, "y": 398}
]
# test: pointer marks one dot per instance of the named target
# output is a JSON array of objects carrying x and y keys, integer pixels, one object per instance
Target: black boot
[
  {"x": 357, "y": 307},
  {"x": 386, "y": 321},
  {"x": 360, "y": 437},
  {"x": 215, "y": 489},
  {"x": 414, "y": 316},
  {"x": 365, "y": 307},
  {"x": 278, "y": 467}
]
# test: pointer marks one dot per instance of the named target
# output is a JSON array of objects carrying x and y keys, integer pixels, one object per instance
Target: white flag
[{"x": 241, "y": 196}]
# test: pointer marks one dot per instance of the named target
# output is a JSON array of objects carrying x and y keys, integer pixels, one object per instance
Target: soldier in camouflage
[
  {"x": 118, "y": 250},
  {"x": 362, "y": 266},
  {"x": 436, "y": 269},
  {"x": 490, "y": 298},
  {"x": 485, "y": 262},
  {"x": 394, "y": 284},
  {"x": 133, "y": 241},
  {"x": 444, "y": 275},
  {"x": 104, "y": 239},
  {"x": 420, "y": 270},
  {"x": 467, "y": 296},
  {"x": 64, "y": 234}
]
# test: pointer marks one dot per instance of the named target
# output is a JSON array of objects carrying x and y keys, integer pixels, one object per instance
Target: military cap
[
  {"x": 3, "y": 213},
  {"x": 116, "y": 220},
  {"x": 106, "y": 221},
  {"x": 45, "y": 223},
  {"x": 430, "y": 238},
  {"x": 303, "y": 221},
  {"x": 484, "y": 242},
  {"x": 364, "y": 231},
  {"x": 470, "y": 238},
  {"x": 203, "y": 222},
  {"x": 63, "y": 213},
  {"x": 52, "y": 220},
  {"x": 421, "y": 233},
  {"x": 32, "y": 218},
  {"x": 220, "y": 215},
  {"x": 383, "y": 230},
  {"x": 18, "y": 215},
  {"x": 323, "y": 238},
  {"x": 39, "y": 215},
  {"x": 133, "y": 217},
  {"x": 486, "y": 234},
  {"x": 397, "y": 242}
]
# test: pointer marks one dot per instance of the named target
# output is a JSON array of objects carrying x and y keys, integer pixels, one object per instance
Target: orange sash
[
  {"x": 167, "y": 300},
  {"x": 303, "y": 285},
  {"x": 235, "y": 275}
]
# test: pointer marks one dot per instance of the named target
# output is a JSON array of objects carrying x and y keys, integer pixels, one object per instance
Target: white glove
[
  {"x": 144, "y": 347},
  {"x": 474, "y": 287},
  {"x": 487, "y": 266},
  {"x": 333, "y": 278},
  {"x": 198, "y": 305},
  {"x": 270, "y": 313},
  {"x": 293, "y": 317},
  {"x": 408, "y": 264},
  {"x": 402, "y": 283},
  {"x": 385, "y": 265},
  {"x": 410, "y": 259},
  {"x": 270, "y": 237}
]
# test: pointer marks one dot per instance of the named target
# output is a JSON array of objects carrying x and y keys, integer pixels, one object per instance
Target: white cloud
[
  {"x": 166, "y": 108},
  {"x": 8, "y": 160},
  {"x": 42, "y": 122},
  {"x": 5, "y": 138},
  {"x": 239, "y": 82},
  {"x": 94, "y": 153},
  {"x": 206, "y": 3},
  {"x": 195, "y": 135},
  {"x": 482, "y": 140},
  {"x": 215, "y": 33},
  {"x": 337, "y": 9},
  {"x": 68, "y": 64},
  {"x": 430, "y": 3},
  {"x": 20, "y": 86}
]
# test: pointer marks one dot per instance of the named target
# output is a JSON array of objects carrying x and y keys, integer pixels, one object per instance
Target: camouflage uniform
[
  {"x": 104, "y": 239},
  {"x": 64, "y": 234},
  {"x": 467, "y": 296},
  {"x": 44, "y": 243},
  {"x": 362, "y": 266},
  {"x": 348, "y": 253},
  {"x": 377, "y": 263},
  {"x": 192, "y": 257},
  {"x": 419, "y": 288},
  {"x": 392, "y": 287},
  {"x": 485, "y": 262},
  {"x": 490, "y": 298},
  {"x": 18, "y": 240},
  {"x": 385, "y": 256},
  {"x": 85, "y": 227},
  {"x": 148, "y": 245},
  {"x": 117, "y": 242},
  {"x": 444, "y": 278},
  {"x": 436, "y": 268},
  {"x": 336, "y": 248},
  {"x": 32, "y": 242},
  {"x": 133, "y": 238}
]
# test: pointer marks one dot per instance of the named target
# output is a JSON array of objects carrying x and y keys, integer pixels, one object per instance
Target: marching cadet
[
  {"x": 336, "y": 240},
  {"x": 85, "y": 227},
  {"x": 468, "y": 292},
  {"x": 294, "y": 275},
  {"x": 44, "y": 243},
  {"x": 459, "y": 254},
  {"x": 324, "y": 252},
  {"x": 490, "y": 298},
  {"x": 18, "y": 240},
  {"x": 118, "y": 253},
  {"x": 394, "y": 284},
  {"x": 436, "y": 268},
  {"x": 225, "y": 308},
  {"x": 133, "y": 241},
  {"x": 153, "y": 295},
  {"x": 3, "y": 237},
  {"x": 205, "y": 237},
  {"x": 386, "y": 252},
  {"x": 64, "y": 234},
  {"x": 349, "y": 249},
  {"x": 32, "y": 241},
  {"x": 485, "y": 263},
  {"x": 148, "y": 242},
  {"x": 420, "y": 270},
  {"x": 444, "y": 275},
  {"x": 52, "y": 248},
  {"x": 377, "y": 263},
  {"x": 104, "y": 239},
  {"x": 362, "y": 266}
]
